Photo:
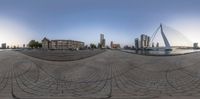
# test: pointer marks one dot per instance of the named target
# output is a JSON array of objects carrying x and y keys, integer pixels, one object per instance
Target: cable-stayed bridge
[{"x": 167, "y": 38}]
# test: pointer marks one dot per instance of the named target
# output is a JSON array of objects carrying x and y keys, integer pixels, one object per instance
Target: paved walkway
[{"x": 112, "y": 74}]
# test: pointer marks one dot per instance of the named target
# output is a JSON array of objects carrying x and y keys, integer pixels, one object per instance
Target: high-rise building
[
  {"x": 136, "y": 43},
  {"x": 3, "y": 45},
  {"x": 111, "y": 43},
  {"x": 144, "y": 41},
  {"x": 195, "y": 45},
  {"x": 101, "y": 37},
  {"x": 148, "y": 41},
  {"x": 102, "y": 41}
]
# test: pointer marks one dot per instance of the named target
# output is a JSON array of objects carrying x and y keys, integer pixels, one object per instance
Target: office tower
[
  {"x": 111, "y": 44},
  {"x": 148, "y": 41},
  {"x": 195, "y": 45},
  {"x": 101, "y": 38},
  {"x": 102, "y": 41},
  {"x": 136, "y": 43},
  {"x": 142, "y": 38},
  {"x": 144, "y": 41}
]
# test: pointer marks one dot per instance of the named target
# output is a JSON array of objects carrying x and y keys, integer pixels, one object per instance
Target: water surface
[{"x": 163, "y": 53}]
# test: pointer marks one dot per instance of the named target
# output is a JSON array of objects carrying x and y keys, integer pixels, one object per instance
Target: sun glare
[{"x": 13, "y": 33}]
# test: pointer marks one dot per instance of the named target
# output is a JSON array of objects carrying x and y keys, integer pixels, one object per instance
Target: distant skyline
[{"x": 120, "y": 21}]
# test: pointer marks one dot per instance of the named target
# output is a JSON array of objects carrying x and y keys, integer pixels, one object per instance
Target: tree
[
  {"x": 34, "y": 44},
  {"x": 93, "y": 46},
  {"x": 31, "y": 44}
]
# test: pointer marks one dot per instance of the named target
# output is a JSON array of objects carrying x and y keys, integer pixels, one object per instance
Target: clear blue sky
[{"x": 84, "y": 20}]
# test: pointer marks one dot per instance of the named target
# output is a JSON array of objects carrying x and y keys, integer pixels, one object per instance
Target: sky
[{"x": 120, "y": 21}]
